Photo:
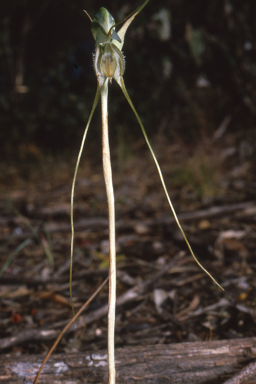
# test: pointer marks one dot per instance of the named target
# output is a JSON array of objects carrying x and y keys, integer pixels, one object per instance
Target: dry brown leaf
[
  {"x": 192, "y": 306},
  {"x": 57, "y": 298},
  {"x": 20, "y": 291}
]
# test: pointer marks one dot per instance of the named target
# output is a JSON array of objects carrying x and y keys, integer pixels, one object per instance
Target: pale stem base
[{"x": 112, "y": 248}]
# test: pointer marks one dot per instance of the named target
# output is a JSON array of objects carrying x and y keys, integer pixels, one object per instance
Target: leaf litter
[{"x": 163, "y": 297}]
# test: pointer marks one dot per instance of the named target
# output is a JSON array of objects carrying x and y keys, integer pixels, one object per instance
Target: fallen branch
[
  {"x": 246, "y": 374},
  {"x": 101, "y": 222},
  {"x": 187, "y": 363}
]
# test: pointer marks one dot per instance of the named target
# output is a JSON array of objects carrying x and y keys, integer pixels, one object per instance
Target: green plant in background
[
  {"x": 109, "y": 64},
  {"x": 200, "y": 174}
]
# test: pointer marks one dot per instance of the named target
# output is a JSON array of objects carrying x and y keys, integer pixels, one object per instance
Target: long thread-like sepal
[
  {"x": 73, "y": 191},
  {"x": 122, "y": 85}
]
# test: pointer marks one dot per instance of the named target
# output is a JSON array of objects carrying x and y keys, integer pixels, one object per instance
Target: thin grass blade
[{"x": 13, "y": 255}]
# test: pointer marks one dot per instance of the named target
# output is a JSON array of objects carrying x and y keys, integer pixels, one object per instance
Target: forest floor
[{"x": 163, "y": 296}]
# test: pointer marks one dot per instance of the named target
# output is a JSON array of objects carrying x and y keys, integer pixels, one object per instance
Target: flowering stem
[{"x": 112, "y": 248}]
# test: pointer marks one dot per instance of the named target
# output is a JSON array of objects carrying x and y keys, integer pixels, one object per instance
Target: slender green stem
[
  {"x": 96, "y": 99},
  {"x": 112, "y": 246},
  {"x": 122, "y": 85}
]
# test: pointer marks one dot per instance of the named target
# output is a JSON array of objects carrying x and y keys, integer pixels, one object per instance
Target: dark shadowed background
[{"x": 189, "y": 65}]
